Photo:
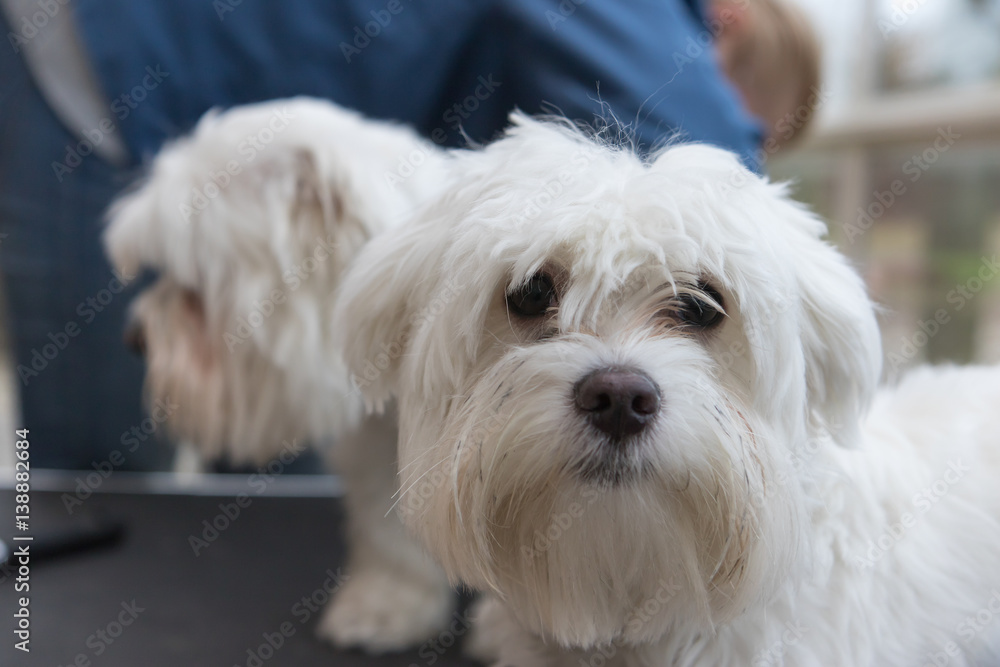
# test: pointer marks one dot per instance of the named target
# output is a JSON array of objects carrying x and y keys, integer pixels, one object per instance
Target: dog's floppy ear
[
  {"x": 812, "y": 294},
  {"x": 840, "y": 337},
  {"x": 380, "y": 308},
  {"x": 262, "y": 185},
  {"x": 272, "y": 210}
]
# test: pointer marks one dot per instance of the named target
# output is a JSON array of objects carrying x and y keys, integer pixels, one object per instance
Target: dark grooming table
[{"x": 206, "y": 610}]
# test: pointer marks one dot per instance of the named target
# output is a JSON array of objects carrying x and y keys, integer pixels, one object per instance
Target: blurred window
[{"x": 904, "y": 162}]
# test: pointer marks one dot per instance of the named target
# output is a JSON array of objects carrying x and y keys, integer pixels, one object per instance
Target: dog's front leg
[{"x": 395, "y": 596}]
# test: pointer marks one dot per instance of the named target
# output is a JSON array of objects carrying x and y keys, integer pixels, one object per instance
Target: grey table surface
[{"x": 214, "y": 609}]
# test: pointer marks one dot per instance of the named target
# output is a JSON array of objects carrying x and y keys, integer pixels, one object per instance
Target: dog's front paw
[
  {"x": 382, "y": 612},
  {"x": 498, "y": 641},
  {"x": 489, "y": 625}
]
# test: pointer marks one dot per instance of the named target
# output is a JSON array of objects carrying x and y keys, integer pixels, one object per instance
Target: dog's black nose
[
  {"x": 619, "y": 402},
  {"x": 135, "y": 338}
]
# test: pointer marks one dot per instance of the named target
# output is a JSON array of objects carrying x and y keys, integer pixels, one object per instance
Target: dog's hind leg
[{"x": 395, "y": 596}]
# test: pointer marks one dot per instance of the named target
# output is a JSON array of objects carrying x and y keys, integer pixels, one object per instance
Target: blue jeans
[{"x": 80, "y": 390}]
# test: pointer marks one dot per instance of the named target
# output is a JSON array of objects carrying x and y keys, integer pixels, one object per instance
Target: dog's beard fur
[{"x": 568, "y": 526}]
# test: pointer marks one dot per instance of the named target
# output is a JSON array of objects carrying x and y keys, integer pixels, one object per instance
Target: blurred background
[{"x": 904, "y": 161}]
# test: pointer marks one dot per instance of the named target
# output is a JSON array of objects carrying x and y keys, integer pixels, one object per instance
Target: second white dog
[{"x": 250, "y": 222}]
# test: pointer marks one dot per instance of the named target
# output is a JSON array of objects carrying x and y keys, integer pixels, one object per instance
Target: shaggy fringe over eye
[{"x": 660, "y": 309}]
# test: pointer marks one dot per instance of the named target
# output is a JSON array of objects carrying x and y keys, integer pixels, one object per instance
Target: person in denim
[{"x": 453, "y": 69}]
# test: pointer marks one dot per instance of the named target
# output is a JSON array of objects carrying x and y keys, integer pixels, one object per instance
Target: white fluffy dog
[
  {"x": 250, "y": 223},
  {"x": 632, "y": 400}
]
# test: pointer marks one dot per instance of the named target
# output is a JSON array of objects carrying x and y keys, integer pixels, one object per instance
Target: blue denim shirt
[{"x": 444, "y": 66}]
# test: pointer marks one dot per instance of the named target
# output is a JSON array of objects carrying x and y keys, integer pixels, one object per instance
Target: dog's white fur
[
  {"x": 250, "y": 222},
  {"x": 750, "y": 524}
]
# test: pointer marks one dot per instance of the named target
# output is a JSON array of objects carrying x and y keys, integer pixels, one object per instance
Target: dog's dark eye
[
  {"x": 697, "y": 312},
  {"x": 533, "y": 298}
]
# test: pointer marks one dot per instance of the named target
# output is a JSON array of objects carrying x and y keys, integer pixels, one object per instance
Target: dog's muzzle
[{"x": 619, "y": 402}]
